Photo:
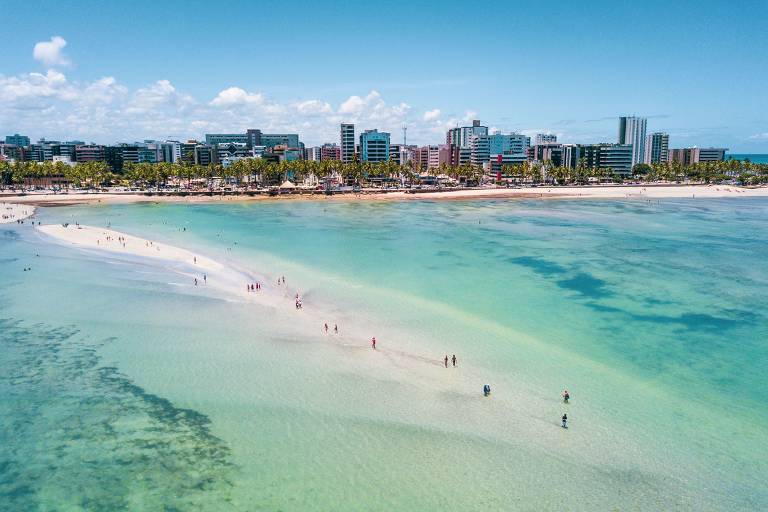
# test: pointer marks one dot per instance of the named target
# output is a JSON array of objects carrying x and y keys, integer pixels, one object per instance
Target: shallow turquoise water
[{"x": 122, "y": 386}]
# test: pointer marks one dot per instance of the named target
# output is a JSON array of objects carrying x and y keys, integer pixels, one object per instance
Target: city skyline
[{"x": 106, "y": 85}]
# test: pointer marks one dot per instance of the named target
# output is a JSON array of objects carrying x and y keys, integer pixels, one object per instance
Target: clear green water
[{"x": 122, "y": 386}]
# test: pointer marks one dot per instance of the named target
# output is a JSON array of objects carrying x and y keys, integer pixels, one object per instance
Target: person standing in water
[
  {"x": 335, "y": 329},
  {"x": 454, "y": 360},
  {"x": 446, "y": 360},
  {"x": 326, "y": 328},
  {"x": 373, "y": 342},
  {"x": 565, "y": 421},
  {"x": 566, "y": 396}
]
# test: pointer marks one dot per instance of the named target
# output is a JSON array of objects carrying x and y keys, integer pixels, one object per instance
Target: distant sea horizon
[{"x": 755, "y": 158}]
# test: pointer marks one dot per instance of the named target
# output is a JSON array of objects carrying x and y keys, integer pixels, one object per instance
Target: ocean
[
  {"x": 124, "y": 387},
  {"x": 755, "y": 158}
]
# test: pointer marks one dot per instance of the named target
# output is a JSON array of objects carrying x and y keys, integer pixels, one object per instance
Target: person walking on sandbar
[
  {"x": 446, "y": 360},
  {"x": 454, "y": 360},
  {"x": 373, "y": 342}
]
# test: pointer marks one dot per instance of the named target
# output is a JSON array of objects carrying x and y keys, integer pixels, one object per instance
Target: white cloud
[
  {"x": 311, "y": 107},
  {"x": 50, "y": 52},
  {"x": 107, "y": 111},
  {"x": 432, "y": 115},
  {"x": 233, "y": 96},
  {"x": 156, "y": 98},
  {"x": 759, "y": 136},
  {"x": 34, "y": 86}
]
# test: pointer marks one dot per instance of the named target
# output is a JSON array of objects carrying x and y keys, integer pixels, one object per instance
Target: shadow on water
[{"x": 77, "y": 434}]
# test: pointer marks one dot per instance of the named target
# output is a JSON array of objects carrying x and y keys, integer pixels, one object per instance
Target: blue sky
[{"x": 109, "y": 71}]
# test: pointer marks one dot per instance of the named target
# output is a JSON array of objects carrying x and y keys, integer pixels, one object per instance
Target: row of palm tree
[{"x": 252, "y": 171}]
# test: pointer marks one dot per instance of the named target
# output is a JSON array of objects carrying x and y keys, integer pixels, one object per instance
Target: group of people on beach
[
  {"x": 453, "y": 359},
  {"x": 566, "y": 398},
  {"x": 253, "y": 287},
  {"x": 335, "y": 328}
]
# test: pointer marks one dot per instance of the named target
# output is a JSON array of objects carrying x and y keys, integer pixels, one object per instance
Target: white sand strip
[
  {"x": 114, "y": 241},
  {"x": 12, "y": 212},
  {"x": 202, "y": 273}
]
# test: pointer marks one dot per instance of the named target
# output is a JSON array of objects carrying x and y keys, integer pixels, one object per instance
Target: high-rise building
[
  {"x": 546, "y": 138},
  {"x": 374, "y": 146},
  {"x": 17, "y": 140},
  {"x": 657, "y": 148},
  {"x": 632, "y": 131},
  {"x": 461, "y": 136},
  {"x": 480, "y": 149},
  {"x": 347, "y": 142}
]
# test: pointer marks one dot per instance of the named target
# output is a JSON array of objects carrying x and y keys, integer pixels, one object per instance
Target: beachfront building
[
  {"x": 232, "y": 151},
  {"x": 551, "y": 154},
  {"x": 197, "y": 153},
  {"x": 329, "y": 151},
  {"x": 480, "y": 149},
  {"x": 347, "y": 142},
  {"x": 225, "y": 138},
  {"x": 632, "y": 131},
  {"x": 689, "y": 156},
  {"x": 272, "y": 140},
  {"x": 403, "y": 154},
  {"x": 657, "y": 148},
  {"x": 616, "y": 158},
  {"x": 10, "y": 152},
  {"x": 546, "y": 138},
  {"x": 89, "y": 153},
  {"x": 510, "y": 143},
  {"x": 374, "y": 146},
  {"x": 253, "y": 137},
  {"x": 497, "y": 163},
  {"x": 448, "y": 154},
  {"x": 171, "y": 151},
  {"x": 570, "y": 155},
  {"x": 427, "y": 157},
  {"x": 312, "y": 154},
  {"x": 17, "y": 140}
]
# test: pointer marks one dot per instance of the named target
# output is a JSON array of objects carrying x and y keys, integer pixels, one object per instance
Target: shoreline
[{"x": 651, "y": 191}]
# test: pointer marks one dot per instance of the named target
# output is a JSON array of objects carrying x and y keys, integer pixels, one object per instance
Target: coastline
[{"x": 586, "y": 192}]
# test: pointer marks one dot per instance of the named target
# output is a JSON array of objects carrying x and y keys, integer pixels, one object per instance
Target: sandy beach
[
  {"x": 541, "y": 192},
  {"x": 13, "y": 212}
]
